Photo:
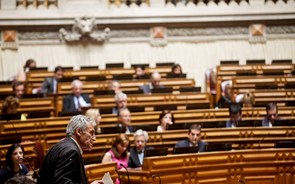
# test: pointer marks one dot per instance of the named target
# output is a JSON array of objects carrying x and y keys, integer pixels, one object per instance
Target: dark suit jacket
[
  {"x": 133, "y": 161},
  {"x": 146, "y": 88},
  {"x": 185, "y": 143},
  {"x": 69, "y": 104},
  {"x": 63, "y": 164},
  {"x": 47, "y": 85}
]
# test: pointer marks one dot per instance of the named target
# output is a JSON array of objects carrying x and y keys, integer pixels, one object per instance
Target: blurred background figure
[
  {"x": 166, "y": 118},
  {"x": 226, "y": 99},
  {"x": 95, "y": 115},
  {"x": 121, "y": 100},
  {"x": 247, "y": 99},
  {"x": 118, "y": 153},
  {"x": 21, "y": 75},
  {"x": 139, "y": 72},
  {"x": 211, "y": 78},
  {"x": 49, "y": 84},
  {"x": 235, "y": 115},
  {"x": 176, "y": 69},
  {"x": 75, "y": 101},
  {"x": 193, "y": 139},
  {"x": 14, "y": 163},
  {"x": 124, "y": 121},
  {"x": 155, "y": 81},
  {"x": 115, "y": 86},
  {"x": 10, "y": 105},
  {"x": 271, "y": 115},
  {"x": 137, "y": 153},
  {"x": 18, "y": 89}
]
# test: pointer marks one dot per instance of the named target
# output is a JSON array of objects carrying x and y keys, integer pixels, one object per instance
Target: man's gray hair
[
  {"x": 143, "y": 133},
  {"x": 76, "y": 83},
  {"x": 120, "y": 96},
  {"x": 79, "y": 121}
]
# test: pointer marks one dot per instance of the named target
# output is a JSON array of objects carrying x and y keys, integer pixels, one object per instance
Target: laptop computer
[{"x": 155, "y": 152}]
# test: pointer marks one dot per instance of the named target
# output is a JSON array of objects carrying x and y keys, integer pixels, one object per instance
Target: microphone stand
[
  {"x": 119, "y": 177},
  {"x": 127, "y": 172}
]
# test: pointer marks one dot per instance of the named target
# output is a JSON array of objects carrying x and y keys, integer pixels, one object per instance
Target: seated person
[
  {"x": 248, "y": 99},
  {"x": 121, "y": 100},
  {"x": 75, "y": 101},
  {"x": 14, "y": 163},
  {"x": 49, "y": 84},
  {"x": 193, "y": 139},
  {"x": 124, "y": 120},
  {"x": 235, "y": 115},
  {"x": 154, "y": 83},
  {"x": 271, "y": 115},
  {"x": 140, "y": 72},
  {"x": 95, "y": 115},
  {"x": 226, "y": 99},
  {"x": 21, "y": 75},
  {"x": 115, "y": 86},
  {"x": 118, "y": 153},
  {"x": 10, "y": 105},
  {"x": 166, "y": 118},
  {"x": 137, "y": 153},
  {"x": 18, "y": 89}
]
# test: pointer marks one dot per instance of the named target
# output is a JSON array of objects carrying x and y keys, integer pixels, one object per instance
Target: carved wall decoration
[
  {"x": 257, "y": 33},
  {"x": 38, "y": 35},
  {"x": 10, "y": 40},
  {"x": 84, "y": 29},
  {"x": 158, "y": 36}
]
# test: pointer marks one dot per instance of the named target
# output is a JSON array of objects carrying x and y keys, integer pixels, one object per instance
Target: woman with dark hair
[
  {"x": 118, "y": 153},
  {"x": 176, "y": 69},
  {"x": 21, "y": 76},
  {"x": 166, "y": 118},
  {"x": 14, "y": 166}
]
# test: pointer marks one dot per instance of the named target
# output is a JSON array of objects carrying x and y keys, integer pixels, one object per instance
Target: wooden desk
[
  {"x": 97, "y": 171},
  {"x": 267, "y": 166}
]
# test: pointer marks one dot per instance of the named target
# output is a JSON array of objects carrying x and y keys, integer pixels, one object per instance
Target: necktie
[{"x": 78, "y": 102}]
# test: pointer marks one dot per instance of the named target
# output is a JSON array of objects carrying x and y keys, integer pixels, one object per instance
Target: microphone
[
  {"x": 159, "y": 178},
  {"x": 126, "y": 171}
]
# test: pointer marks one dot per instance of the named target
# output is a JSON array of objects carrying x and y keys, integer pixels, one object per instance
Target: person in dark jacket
[
  {"x": 193, "y": 139},
  {"x": 14, "y": 163},
  {"x": 64, "y": 162},
  {"x": 137, "y": 153}
]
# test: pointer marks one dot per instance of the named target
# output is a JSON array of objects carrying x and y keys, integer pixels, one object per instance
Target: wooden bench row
[
  {"x": 228, "y": 72},
  {"x": 240, "y": 138},
  {"x": 48, "y": 128},
  {"x": 240, "y": 84},
  {"x": 38, "y": 76},
  {"x": 244, "y": 166}
]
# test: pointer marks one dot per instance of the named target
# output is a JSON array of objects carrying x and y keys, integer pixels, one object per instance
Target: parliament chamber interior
[{"x": 228, "y": 51}]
